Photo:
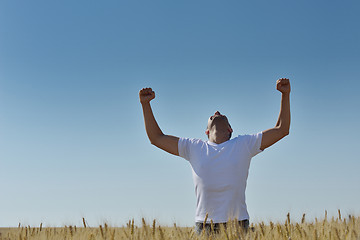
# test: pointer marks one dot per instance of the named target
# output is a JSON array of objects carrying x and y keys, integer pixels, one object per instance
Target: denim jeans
[{"x": 199, "y": 226}]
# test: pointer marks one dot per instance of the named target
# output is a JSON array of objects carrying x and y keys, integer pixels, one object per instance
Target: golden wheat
[{"x": 336, "y": 228}]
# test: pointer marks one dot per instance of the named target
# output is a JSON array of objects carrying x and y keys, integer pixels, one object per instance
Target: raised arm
[
  {"x": 165, "y": 142},
  {"x": 282, "y": 127}
]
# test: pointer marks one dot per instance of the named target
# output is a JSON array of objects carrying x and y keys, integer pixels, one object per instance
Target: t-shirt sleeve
[
  {"x": 184, "y": 147},
  {"x": 254, "y": 143}
]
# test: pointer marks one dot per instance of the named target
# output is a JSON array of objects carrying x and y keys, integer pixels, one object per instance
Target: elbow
[
  {"x": 152, "y": 142},
  {"x": 285, "y": 133},
  {"x": 155, "y": 140},
  {"x": 284, "y": 129}
]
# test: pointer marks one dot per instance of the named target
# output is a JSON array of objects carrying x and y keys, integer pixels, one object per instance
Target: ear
[
  {"x": 230, "y": 129},
  {"x": 207, "y": 132}
]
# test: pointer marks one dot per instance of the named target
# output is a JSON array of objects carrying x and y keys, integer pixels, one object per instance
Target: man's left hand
[{"x": 283, "y": 85}]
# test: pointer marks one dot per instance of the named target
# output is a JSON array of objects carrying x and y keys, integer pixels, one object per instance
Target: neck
[{"x": 218, "y": 137}]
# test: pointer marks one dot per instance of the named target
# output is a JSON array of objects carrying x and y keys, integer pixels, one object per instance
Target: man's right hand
[{"x": 146, "y": 95}]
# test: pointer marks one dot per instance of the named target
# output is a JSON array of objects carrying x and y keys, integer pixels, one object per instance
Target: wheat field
[{"x": 334, "y": 228}]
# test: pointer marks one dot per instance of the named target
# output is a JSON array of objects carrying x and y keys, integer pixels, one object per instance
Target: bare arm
[
  {"x": 282, "y": 127},
  {"x": 156, "y": 136}
]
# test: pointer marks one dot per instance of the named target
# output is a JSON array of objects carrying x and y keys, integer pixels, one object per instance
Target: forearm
[
  {"x": 152, "y": 128},
  {"x": 283, "y": 122}
]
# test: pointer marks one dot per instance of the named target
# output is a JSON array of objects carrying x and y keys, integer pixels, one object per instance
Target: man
[{"x": 220, "y": 165}]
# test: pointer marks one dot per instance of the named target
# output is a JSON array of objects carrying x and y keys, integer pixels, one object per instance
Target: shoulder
[
  {"x": 246, "y": 138},
  {"x": 188, "y": 146},
  {"x": 240, "y": 138},
  {"x": 252, "y": 142}
]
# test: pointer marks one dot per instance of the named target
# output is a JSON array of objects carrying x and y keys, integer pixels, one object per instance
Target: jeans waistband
[{"x": 199, "y": 226}]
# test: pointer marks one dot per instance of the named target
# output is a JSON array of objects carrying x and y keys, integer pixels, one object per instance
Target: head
[{"x": 218, "y": 126}]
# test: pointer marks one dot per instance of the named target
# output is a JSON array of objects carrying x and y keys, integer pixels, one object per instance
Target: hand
[
  {"x": 146, "y": 95},
  {"x": 283, "y": 85}
]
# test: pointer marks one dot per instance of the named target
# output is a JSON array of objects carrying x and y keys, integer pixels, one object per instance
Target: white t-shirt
[{"x": 220, "y": 172}]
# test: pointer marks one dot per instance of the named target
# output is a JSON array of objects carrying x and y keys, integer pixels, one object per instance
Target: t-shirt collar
[{"x": 215, "y": 144}]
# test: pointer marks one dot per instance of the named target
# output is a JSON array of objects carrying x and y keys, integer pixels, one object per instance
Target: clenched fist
[
  {"x": 146, "y": 95},
  {"x": 283, "y": 85}
]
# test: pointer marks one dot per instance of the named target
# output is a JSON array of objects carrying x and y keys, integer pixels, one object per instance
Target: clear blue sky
[{"x": 72, "y": 140}]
